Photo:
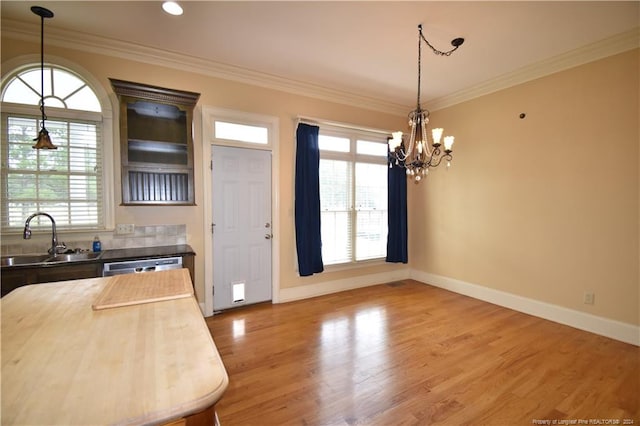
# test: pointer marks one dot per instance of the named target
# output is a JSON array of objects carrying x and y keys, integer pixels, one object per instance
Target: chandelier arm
[
  {"x": 448, "y": 157},
  {"x": 425, "y": 135},
  {"x": 412, "y": 141},
  {"x": 400, "y": 155}
]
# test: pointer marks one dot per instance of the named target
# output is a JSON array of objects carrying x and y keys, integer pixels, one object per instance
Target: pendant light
[{"x": 43, "y": 141}]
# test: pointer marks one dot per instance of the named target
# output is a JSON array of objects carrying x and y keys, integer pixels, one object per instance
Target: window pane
[
  {"x": 335, "y": 185},
  {"x": 84, "y": 100},
  {"x": 50, "y": 101},
  {"x": 372, "y": 148},
  {"x": 20, "y": 93},
  {"x": 336, "y": 211},
  {"x": 64, "y": 84},
  {"x": 333, "y": 143},
  {"x": 241, "y": 132},
  {"x": 371, "y": 186},
  {"x": 371, "y": 234},
  {"x": 371, "y": 207},
  {"x": 335, "y": 233},
  {"x": 22, "y": 186}
]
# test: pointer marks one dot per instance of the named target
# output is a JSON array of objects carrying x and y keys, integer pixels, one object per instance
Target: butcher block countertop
[{"x": 64, "y": 362}]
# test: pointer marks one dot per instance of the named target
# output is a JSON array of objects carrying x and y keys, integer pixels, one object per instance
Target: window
[
  {"x": 67, "y": 182},
  {"x": 353, "y": 195},
  {"x": 241, "y": 132}
]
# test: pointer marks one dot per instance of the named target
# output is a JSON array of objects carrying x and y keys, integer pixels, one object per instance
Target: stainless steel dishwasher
[{"x": 141, "y": 266}]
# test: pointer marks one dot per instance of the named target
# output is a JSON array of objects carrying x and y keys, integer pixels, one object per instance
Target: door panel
[{"x": 242, "y": 222}]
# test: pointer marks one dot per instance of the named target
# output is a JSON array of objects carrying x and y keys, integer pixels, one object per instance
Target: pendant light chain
[{"x": 44, "y": 117}]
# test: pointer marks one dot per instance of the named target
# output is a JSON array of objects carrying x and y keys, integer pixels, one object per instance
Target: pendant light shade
[{"x": 43, "y": 140}]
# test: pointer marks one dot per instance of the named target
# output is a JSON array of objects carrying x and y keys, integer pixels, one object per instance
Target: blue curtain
[
  {"x": 307, "y": 200},
  {"x": 397, "y": 215}
]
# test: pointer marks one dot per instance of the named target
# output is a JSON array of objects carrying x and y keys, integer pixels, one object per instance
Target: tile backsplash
[
  {"x": 143, "y": 236},
  {"x": 149, "y": 236}
]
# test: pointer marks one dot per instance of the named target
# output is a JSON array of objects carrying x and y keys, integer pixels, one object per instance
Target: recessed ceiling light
[{"x": 172, "y": 8}]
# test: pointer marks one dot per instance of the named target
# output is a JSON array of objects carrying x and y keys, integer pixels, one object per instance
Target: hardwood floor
[{"x": 406, "y": 353}]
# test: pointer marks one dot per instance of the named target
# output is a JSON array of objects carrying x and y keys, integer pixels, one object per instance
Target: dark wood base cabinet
[{"x": 13, "y": 278}]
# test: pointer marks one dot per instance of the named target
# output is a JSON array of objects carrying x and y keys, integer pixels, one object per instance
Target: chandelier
[
  {"x": 420, "y": 155},
  {"x": 43, "y": 140}
]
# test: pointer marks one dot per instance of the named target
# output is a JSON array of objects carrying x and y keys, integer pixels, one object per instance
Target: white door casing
[{"x": 209, "y": 115}]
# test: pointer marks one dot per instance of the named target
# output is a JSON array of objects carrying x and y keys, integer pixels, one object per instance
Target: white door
[{"x": 242, "y": 226}]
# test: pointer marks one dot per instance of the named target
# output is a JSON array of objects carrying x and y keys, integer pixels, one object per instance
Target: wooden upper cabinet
[{"x": 156, "y": 144}]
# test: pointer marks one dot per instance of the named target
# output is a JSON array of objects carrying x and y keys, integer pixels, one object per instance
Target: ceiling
[{"x": 368, "y": 48}]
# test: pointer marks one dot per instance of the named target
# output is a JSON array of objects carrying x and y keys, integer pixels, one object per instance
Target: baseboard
[
  {"x": 335, "y": 286},
  {"x": 617, "y": 330}
]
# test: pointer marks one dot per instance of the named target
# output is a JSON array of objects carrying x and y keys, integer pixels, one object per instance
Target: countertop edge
[{"x": 116, "y": 255}]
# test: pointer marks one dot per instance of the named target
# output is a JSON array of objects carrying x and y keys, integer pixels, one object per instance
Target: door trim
[{"x": 209, "y": 114}]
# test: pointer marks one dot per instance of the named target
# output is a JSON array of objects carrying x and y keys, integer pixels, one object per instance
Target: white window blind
[
  {"x": 66, "y": 183},
  {"x": 353, "y": 195}
]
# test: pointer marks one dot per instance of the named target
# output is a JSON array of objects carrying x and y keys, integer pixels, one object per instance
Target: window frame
[
  {"x": 355, "y": 134},
  {"x": 103, "y": 120}
]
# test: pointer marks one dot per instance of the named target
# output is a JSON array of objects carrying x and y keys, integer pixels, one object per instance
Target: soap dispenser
[{"x": 97, "y": 245}]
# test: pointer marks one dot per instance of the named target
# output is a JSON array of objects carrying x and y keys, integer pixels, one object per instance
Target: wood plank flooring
[{"x": 406, "y": 353}]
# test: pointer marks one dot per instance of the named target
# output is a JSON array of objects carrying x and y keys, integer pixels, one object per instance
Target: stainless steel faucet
[{"x": 55, "y": 246}]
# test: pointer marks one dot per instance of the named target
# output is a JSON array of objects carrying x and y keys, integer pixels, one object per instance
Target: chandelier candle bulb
[
  {"x": 437, "y": 134},
  {"x": 448, "y": 143}
]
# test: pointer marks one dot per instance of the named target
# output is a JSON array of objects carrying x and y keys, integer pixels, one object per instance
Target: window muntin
[
  {"x": 67, "y": 182},
  {"x": 353, "y": 196}
]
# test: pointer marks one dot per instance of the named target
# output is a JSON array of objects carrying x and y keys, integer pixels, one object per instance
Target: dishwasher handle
[{"x": 141, "y": 269}]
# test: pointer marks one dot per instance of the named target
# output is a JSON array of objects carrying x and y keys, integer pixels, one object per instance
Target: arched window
[{"x": 66, "y": 182}]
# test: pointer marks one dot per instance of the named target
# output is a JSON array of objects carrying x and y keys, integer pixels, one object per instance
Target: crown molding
[
  {"x": 138, "y": 53},
  {"x": 608, "y": 47}
]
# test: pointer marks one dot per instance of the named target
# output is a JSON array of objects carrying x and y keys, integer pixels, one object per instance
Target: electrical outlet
[
  {"x": 125, "y": 228},
  {"x": 589, "y": 298}
]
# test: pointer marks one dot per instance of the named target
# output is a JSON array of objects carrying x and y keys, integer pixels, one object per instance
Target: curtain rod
[{"x": 314, "y": 120}]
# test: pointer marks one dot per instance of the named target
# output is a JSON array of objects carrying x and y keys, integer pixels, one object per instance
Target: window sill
[{"x": 337, "y": 267}]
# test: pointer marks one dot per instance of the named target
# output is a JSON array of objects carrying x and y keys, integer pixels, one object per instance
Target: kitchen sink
[
  {"x": 73, "y": 257},
  {"x": 27, "y": 259},
  {"x": 31, "y": 259}
]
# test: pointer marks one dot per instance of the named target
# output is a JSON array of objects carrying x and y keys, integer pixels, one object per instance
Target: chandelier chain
[
  {"x": 419, "y": 64},
  {"x": 456, "y": 43}
]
